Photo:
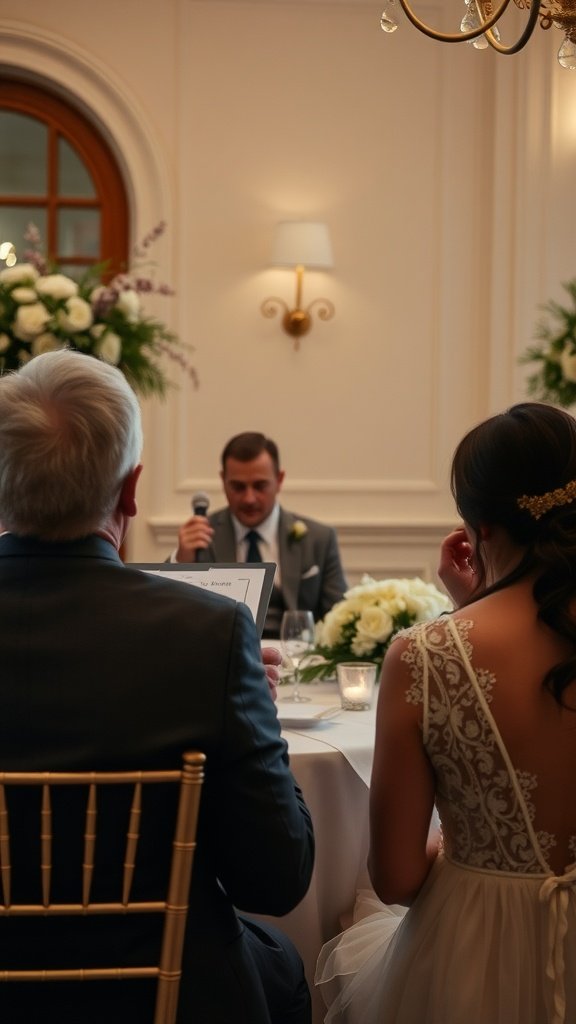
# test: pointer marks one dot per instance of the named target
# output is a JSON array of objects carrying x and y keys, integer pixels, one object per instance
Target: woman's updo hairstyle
[
  {"x": 504, "y": 473},
  {"x": 528, "y": 450}
]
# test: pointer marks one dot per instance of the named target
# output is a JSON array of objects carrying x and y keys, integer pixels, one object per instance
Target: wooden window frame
[{"x": 66, "y": 121}]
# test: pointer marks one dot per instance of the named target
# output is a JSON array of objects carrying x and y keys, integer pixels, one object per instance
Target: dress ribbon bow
[{"x": 557, "y": 891}]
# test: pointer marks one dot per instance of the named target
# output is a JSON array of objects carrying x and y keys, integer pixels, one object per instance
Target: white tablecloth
[{"x": 331, "y": 763}]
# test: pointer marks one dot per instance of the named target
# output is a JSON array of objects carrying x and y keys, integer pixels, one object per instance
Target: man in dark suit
[
  {"x": 107, "y": 667},
  {"x": 255, "y": 527}
]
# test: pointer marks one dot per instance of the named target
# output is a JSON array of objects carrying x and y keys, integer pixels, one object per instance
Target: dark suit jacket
[
  {"x": 311, "y": 574},
  {"x": 104, "y": 666}
]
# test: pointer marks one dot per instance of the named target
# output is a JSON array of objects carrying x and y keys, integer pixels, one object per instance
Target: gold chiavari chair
[{"x": 174, "y": 906}]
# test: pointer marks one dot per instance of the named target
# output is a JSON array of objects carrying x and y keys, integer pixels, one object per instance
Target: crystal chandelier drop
[{"x": 479, "y": 24}]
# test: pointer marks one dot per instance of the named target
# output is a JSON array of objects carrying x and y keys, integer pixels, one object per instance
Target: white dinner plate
[{"x": 305, "y": 716}]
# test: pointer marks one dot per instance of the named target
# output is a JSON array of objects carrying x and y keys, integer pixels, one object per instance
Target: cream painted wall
[{"x": 445, "y": 176}]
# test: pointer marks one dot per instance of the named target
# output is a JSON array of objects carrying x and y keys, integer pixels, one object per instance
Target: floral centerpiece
[
  {"x": 42, "y": 309},
  {"x": 361, "y": 626},
  {"x": 554, "y": 378}
]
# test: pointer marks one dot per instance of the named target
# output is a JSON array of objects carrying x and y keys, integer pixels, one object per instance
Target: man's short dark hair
[{"x": 249, "y": 445}]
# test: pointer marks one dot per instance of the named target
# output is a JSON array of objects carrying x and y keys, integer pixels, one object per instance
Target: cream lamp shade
[{"x": 302, "y": 243}]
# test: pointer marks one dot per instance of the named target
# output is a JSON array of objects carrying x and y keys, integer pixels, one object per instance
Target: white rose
[
  {"x": 46, "y": 342},
  {"x": 4, "y": 342},
  {"x": 109, "y": 348},
  {"x": 24, "y": 356},
  {"x": 128, "y": 302},
  {"x": 30, "y": 320},
  {"x": 20, "y": 273},
  {"x": 97, "y": 330},
  {"x": 389, "y": 594},
  {"x": 361, "y": 646},
  {"x": 568, "y": 363},
  {"x": 329, "y": 630},
  {"x": 23, "y": 295},
  {"x": 374, "y": 624},
  {"x": 57, "y": 286},
  {"x": 76, "y": 316},
  {"x": 369, "y": 590},
  {"x": 425, "y": 601}
]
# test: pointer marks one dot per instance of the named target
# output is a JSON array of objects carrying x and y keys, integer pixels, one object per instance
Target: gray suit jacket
[{"x": 311, "y": 572}]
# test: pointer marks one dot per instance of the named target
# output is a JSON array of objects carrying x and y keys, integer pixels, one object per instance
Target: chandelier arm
[
  {"x": 524, "y": 37},
  {"x": 458, "y": 37}
]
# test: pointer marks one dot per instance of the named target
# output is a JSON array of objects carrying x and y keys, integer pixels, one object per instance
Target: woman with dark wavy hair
[{"x": 477, "y": 716}]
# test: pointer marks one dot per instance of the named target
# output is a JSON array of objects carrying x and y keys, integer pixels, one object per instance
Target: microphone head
[{"x": 200, "y": 503}]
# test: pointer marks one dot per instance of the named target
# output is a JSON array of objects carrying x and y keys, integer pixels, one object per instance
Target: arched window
[{"x": 58, "y": 173}]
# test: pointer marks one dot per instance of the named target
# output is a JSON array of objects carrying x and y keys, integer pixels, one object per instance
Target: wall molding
[
  {"x": 381, "y": 548},
  {"x": 295, "y": 487}
]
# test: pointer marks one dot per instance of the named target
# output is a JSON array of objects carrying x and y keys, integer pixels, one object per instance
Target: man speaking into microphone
[{"x": 254, "y": 527}]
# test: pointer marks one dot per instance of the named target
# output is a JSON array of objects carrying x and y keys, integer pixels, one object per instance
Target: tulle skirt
[{"x": 474, "y": 948}]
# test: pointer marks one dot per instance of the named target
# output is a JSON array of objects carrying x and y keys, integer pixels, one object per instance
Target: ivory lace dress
[{"x": 491, "y": 937}]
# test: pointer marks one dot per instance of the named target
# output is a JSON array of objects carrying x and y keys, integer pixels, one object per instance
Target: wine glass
[{"x": 297, "y": 639}]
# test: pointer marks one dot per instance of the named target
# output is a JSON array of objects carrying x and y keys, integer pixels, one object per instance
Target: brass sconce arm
[{"x": 297, "y": 321}]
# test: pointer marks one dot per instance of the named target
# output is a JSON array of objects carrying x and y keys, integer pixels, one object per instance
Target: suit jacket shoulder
[{"x": 311, "y": 567}]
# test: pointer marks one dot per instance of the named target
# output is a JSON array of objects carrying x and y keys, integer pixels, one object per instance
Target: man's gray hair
[{"x": 70, "y": 433}]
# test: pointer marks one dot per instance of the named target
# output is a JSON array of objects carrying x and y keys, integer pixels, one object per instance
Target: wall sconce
[{"x": 300, "y": 245}]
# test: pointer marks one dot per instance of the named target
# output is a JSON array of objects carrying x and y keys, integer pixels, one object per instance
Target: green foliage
[{"x": 554, "y": 378}]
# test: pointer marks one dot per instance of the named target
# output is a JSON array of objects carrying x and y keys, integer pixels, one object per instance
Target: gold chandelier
[{"x": 479, "y": 24}]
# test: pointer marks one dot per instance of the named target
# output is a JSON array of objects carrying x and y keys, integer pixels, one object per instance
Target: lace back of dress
[{"x": 485, "y": 806}]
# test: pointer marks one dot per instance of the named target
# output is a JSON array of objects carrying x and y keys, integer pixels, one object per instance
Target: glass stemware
[{"x": 297, "y": 639}]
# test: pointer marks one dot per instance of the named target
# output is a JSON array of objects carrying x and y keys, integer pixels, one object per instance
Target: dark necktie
[{"x": 253, "y": 552}]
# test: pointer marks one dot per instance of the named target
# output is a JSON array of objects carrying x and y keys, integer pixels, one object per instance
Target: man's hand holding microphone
[{"x": 196, "y": 533}]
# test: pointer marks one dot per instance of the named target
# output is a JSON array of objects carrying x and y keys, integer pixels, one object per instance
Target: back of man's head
[
  {"x": 248, "y": 446},
  {"x": 70, "y": 432}
]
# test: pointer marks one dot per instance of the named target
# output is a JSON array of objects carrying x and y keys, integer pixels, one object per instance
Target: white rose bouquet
[
  {"x": 361, "y": 626},
  {"x": 42, "y": 310},
  {"x": 554, "y": 378}
]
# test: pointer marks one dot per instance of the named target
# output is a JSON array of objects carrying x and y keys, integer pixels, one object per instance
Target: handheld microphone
[{"x": 200, "y": 503}]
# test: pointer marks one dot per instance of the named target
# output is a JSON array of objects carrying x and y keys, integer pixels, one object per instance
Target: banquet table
[{"x": 331, "y": 761}]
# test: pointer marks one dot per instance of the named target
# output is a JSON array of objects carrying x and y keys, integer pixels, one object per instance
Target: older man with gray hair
[{"x": 105, "y": 667}]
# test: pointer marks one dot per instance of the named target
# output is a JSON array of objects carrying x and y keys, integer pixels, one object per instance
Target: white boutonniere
[{"x": 298, "y": 530}]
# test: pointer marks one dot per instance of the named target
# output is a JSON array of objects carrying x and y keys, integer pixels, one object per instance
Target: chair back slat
[
  {"x": 170, "y": 970},
  {"x": 5, "y": 866},
  {"x": 46, "y": 844},
  {"x": 174, "y": 905},
  {"x": 132, "y": 842},
  {"x": 89, "y": 844}
]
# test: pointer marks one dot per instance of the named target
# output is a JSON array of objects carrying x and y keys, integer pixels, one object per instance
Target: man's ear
[
  {"x": 127, "y": 499},
  {"x": 280, "y": 478}
]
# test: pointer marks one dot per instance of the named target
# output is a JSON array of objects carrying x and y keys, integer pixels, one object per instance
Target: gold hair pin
[{"x": 539, "y": 504}]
